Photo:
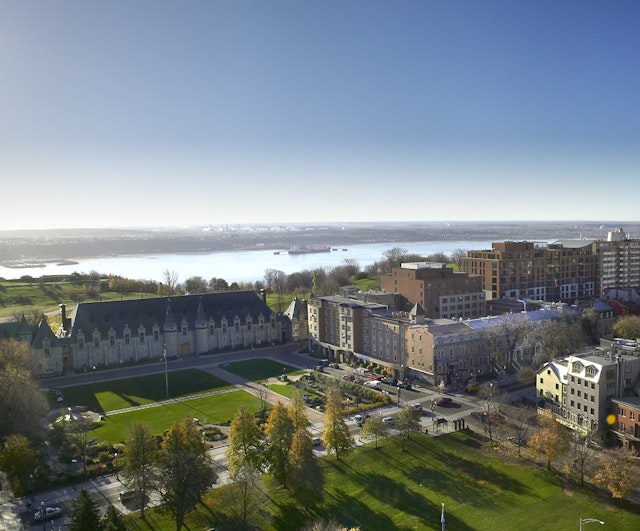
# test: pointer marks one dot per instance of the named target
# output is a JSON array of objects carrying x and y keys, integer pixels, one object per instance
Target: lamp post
[
  {"x": 43, "y": 515},
  {"x": 588, "y": 521},
  {"x": 115, "y": 455},
  {"x": 442, "y": 521}
]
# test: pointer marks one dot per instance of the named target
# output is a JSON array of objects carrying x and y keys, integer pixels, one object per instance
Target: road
[{"x": 105, "y": 490}]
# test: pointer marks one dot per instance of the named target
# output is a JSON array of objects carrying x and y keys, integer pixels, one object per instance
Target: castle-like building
[{"x": 118, "y": 333}]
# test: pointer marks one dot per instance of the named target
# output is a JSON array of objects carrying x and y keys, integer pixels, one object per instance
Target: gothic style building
[{"x": 117, "y": 333}]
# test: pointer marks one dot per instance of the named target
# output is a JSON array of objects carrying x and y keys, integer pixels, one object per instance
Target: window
[
  {"x": 156, "y": 335},
  {"x": 127, "y": 338},
  {"x": 141, "y": 336},
  {"x": 185, "y": 330}
]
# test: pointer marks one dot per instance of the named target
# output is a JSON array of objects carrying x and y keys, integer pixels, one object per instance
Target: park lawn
[
  {"x": 283, "y": 389},
  {"x": 112, "y": 395},
  {"x": 261, "y": 369},
  {"x": 216, "y": 409},
  {"x": 390, "y": 489}
]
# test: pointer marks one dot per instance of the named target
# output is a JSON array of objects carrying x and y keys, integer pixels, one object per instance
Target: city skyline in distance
[{"x": 157, "y": 114}]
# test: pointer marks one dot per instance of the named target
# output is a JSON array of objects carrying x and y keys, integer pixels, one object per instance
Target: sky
[{"x": 153, "y": 113}]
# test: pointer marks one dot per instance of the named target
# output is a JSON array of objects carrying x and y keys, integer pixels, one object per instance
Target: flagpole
[{"x": 166, "y": 372}]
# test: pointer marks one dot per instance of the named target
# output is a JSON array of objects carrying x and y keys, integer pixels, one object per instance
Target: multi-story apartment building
[
  {"x": 441, "y": 291},
  {"x": 444, "y": 352},
  {"x": 561, "y": 271},
  {"x": 619, "y": 262},
  {"x": 586, "y": 385},
  {"x": 627, "y": 425}
]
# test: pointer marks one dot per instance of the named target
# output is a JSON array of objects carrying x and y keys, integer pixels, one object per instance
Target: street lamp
[
  {"x": 43, "y": 515},
  {"x": 588, "y": 521},
  {"x": 115, "y": 455}
]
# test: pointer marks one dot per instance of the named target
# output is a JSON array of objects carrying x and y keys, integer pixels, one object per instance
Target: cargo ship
[{"x": 303, "y": 249}]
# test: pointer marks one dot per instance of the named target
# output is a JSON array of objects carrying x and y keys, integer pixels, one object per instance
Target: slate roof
[{"x": 87, "y": 316}]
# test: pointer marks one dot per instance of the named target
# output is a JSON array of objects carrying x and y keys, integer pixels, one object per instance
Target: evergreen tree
[
  {"x": 246, "y": 442},
  {"x": 279, "y": 434},
  {"x": 335, "y": 434},
  {"x": 186, "y": 469},
  {"x": 113, "y": 521},
  {"x": 84, "y": 514}
]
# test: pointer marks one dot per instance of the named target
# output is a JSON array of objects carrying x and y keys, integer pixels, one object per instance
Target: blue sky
[{"x": 151, "y": 112}]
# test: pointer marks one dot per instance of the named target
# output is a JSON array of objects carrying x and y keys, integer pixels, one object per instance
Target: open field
[
  {"x": 216, "y": 409},
  {"x": 261, "y": 369},
  {"x": 111, "y": 395},
  {"x": 388, "y": 489}
]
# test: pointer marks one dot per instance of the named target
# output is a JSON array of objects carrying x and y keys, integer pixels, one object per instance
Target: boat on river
[{"x": 304, "y": 249}]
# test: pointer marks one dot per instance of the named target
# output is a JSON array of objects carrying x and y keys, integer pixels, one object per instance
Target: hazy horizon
[{"x": 161, "y": 114}]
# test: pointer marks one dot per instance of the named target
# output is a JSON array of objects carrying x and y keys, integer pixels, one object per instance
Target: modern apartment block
[
  {"x": 619, "y": 262},
  {"x": 581, "y": 389},
  {"x": 441, "y": 291},
  {"x": 562, "y": 271}
]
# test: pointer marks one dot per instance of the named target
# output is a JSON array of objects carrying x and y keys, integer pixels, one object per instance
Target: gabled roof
[
  {"x": 296, "y": 309},
  {"x": 44, "y": 332},
  {"x": 104, "y": 316}
]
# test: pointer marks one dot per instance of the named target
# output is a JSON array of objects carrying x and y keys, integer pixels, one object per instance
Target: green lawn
[
  {"x": 261, "y": 369},
  {"x": 387, "y": 489},
  {"x": 217, "y": 409},
  {"x": 118, "y": 394}
]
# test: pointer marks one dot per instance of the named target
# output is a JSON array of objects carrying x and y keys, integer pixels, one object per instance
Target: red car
[{"x": 443, "y": 401}]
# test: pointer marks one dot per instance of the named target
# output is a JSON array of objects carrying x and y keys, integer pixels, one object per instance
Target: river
[{"x": 234, "y": 266}]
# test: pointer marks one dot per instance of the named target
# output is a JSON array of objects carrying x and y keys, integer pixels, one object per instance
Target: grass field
[
  {"x": 217, "y": 409},
  {"x": 106, "y": 396},
  {"x": 261, "y": 369},
  {"x": 387, "y": 489}
]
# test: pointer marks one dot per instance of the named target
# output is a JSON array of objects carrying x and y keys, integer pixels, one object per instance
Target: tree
[
  {"x": 503, "y": 337},
  {"x": 304, "y": 474},
  {"x": 408, "y": 422},
  {"x": 491, "y": 397},
  {"x": 246, "y": 442},
  {"x": 140, "y": 462},
  {"x": 616, "y": 471},
  {"x": 84, "y": 513},
  {"x": 18, "y": 460},
  {"x": 170, "y": 281},
  {"x": 558, "y": 339},
  {"x": 374, "y": 428},
  {"x": 186, "y": 469},
  {"x": 244, "y": 498},
  {"x": 580, "y": 455},
  {"x": 22, "y": 402},
  {"x": 279, "y": 435},
  {"x": 335, "y": 435},
  {"x": 297, "y": 411},
  {"x": 392, "y": 258},
  {"x": 112, "y": 520},
  {"x": 77, "y": 430},
  {"x": 550, "y": 439},
  {"x": 195, "y": 285},
  {"x": 627, "y": 327},
  {"x": 519, "y": 431},
  {"x": 457, "y": 256}
]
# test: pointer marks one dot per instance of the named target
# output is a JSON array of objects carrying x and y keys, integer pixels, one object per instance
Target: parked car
[
  {"x": 317, "y": 441},
  {"x": 334, "y": 365},
  {"x": 404, "y": 385},
  {"x": 389, "y": 380},
  {"x": 349, "y": 377},
  {"x": 471, "y": 387},
  {"x": 494, "y": 417},
  {"x": 358, "y": 419},
  {"x": 388, "y": 420},
  {"x": 49, "y": 512},
  {"x": 418, "y": 407},
  {"x": 127, "y": 496},
  {"x": 443, "y": 401}
]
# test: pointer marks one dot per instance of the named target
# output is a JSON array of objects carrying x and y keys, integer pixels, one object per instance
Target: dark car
[{"x": 443, "y": 401}]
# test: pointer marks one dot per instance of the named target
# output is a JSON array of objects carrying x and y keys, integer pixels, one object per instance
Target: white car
[
  {"x": 49, "y": 512},
  {"x": 359, "y": 419},
  {"x": 388, "y": 420}
]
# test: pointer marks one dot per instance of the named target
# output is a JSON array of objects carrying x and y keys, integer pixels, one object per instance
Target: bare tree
[
  {"x": 491, "y": 397},
  {"x": 170, "y": 281},
  {"x": 457, "y": 255},
  {"x": 505, "y": 335}
]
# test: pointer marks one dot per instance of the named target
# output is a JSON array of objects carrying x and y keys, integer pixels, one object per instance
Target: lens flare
[{"x": 611, "y": 419}]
